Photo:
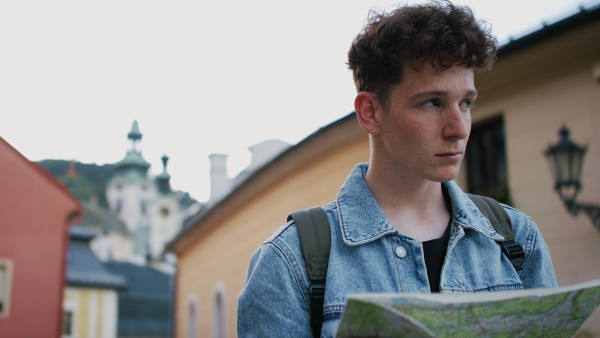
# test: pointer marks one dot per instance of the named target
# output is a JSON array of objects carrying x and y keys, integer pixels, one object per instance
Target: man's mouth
[{"x": 451, "y": 155}]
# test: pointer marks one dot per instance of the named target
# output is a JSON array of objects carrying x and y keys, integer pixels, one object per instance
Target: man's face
[{"x": 424, "y": 130}]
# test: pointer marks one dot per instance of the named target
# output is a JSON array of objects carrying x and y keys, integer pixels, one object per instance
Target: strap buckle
[
  {"x": 317, "y": 293},
  {"x": 515, "y": 254},
  {"x": 317, "y": 300}
]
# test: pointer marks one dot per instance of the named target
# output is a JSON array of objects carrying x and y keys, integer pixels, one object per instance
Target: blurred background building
[
  {"x": 152, "y": 213},
  {"x": 90, "y": 303},
  {"x": 116, "y": 279},
  {"x": 35, "y": 214}
]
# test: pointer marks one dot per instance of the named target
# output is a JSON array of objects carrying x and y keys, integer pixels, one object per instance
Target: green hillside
[{"x": 89, "y": 181}]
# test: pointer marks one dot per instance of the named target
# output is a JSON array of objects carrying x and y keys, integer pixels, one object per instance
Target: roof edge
[
  {"x": 194, "y": 222},
  {"x": 583, "y": 17},
  {"x": 74, "y": 214}
]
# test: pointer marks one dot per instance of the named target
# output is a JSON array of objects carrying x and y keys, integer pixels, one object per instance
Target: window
[
  {"x": 486, "y": 160},
  {"x": 69, "y": 314},
  {"x": 219, "y": 314},
  {"x": 164, "y": 211},
  {"x": 192, "y": 318},
  {"x": 6, "y": 271},
  {"x": 67, "y": 323}
]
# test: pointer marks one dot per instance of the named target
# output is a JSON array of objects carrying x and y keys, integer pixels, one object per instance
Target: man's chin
[{"x": 445, "y": 176}]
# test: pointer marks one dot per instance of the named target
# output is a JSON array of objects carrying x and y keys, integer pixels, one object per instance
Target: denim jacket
[{"x": 369, "y": 255}]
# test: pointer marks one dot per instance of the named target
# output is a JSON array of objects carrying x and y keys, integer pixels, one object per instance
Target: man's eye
[
  {"x": 468, "y": 104},
  {"x": 431, "y": 103}
]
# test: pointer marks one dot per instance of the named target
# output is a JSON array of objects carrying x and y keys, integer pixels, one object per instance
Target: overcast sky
[{"x": 199, "y": 77}]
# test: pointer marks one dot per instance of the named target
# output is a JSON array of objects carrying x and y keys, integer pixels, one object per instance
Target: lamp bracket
[{"x": 591, "y": 210}]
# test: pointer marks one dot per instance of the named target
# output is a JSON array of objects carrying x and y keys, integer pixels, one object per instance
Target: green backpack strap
[
  {"x": 315, "y": 240},
  {"x": 500, "y": 221}
]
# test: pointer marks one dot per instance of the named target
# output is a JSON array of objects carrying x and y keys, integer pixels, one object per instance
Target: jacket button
[{"x": 401, "y": 252}]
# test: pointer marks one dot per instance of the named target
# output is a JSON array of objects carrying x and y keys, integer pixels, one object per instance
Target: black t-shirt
[
  {"x": 435, "y": 254},
  {"x": 435, "y": 251}
]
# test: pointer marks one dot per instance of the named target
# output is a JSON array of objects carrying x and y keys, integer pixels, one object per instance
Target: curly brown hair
[{"x": 438, "y": 32}]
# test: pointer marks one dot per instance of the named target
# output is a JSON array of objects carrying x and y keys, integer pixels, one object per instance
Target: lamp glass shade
[{"x": 566, "y": 162}]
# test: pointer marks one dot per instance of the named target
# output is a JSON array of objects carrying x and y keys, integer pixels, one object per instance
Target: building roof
[
  {"x": 133, "y": 159},
  {"x": 144, "y": 282},
  {"x": 162, "y": 179},
  {"x": 135, "y": 133},
  {"x": 145, "y": 308},
  {"x": 95, "y": 216},
  {"x": 556, "y": 50},
  {"x": 318, "y": 144},
  {"x": 548, "y": 31},
  {"x": 83, "y": 267},
  {"x": 76, "y": 213}
]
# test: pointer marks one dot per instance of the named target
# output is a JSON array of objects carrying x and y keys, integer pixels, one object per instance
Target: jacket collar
[
  {"x": 362, "y": 221},
  {"x": 466, "y": 214}
]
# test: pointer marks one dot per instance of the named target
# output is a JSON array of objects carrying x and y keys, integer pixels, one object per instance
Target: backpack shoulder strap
[
  {"x": 500, "y": 221},
  {"x": 315, "y": 241}
]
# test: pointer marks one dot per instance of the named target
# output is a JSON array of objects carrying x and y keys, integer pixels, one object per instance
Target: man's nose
[{"x": 457, "y": 122}]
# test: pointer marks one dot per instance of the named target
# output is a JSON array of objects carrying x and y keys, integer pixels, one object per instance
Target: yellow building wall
[
  {"x": 94, "y": 312},
  {"x": 532, "y": 118},
  {"x": 222, "y": 255}
]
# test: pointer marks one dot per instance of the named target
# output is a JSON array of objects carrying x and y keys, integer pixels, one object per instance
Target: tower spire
[
  {"x": 164, "y": 186},
  {"x": 133, "y": 159},
  {"x": 134, "y": 135},
  {"x": 165, "y": 159}
]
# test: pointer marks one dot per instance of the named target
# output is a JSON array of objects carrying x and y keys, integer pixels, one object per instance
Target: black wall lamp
[{"x": 566, "y": 162}]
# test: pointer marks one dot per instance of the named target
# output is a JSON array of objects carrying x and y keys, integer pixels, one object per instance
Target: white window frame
[
  {"x": 71, "y": 332},
  {"x": 219, "y": 320},
  {"x": 6, "y": 278},
  {"x": 192, "y": 317}
]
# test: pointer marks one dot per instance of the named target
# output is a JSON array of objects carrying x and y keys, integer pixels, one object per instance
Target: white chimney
[
  {"x": 219, "y": 182},
  {"x": 265, "y": 151}
]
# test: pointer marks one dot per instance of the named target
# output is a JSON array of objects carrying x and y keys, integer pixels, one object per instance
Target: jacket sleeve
[
  {"x": 538, "y": 271},
  {"x": 272, "y": 303}
]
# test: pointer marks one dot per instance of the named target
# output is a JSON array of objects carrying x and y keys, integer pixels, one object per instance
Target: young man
[{"x": 399, "y": 223}]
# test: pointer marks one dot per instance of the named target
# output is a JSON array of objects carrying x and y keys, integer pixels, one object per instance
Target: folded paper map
[{"x": 553, "y": 312}]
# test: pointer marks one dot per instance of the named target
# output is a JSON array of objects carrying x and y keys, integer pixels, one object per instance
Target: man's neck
[{"x": 415, "y": 207}]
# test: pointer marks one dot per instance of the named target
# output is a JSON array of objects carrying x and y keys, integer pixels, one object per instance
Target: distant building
[
  {"x": 112, "y": 240},
  {"x": 152, "y": 212},
  {"x": 146, "y": 305},
  {"x": 113, "y": 299},
  {"x": 220, "y": 182},
  {"x": 90, "y": 300},
  {"x": 36, "y": 211}
]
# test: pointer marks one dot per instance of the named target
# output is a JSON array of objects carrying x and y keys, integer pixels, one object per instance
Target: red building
[{"x": 35, "y": 213}]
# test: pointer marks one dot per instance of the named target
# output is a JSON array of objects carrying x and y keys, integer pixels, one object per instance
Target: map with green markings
[{"x": 556, "y": 312}]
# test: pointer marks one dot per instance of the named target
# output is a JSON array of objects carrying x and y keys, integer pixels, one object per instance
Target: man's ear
[{"x": 367, "y": 107}]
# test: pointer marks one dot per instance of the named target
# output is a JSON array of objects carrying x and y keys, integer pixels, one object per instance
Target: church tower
[
  {"x": 152, "y": 212},
  {"x": 130, "y": 194},
  {"x": 167, "y": 216}
]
